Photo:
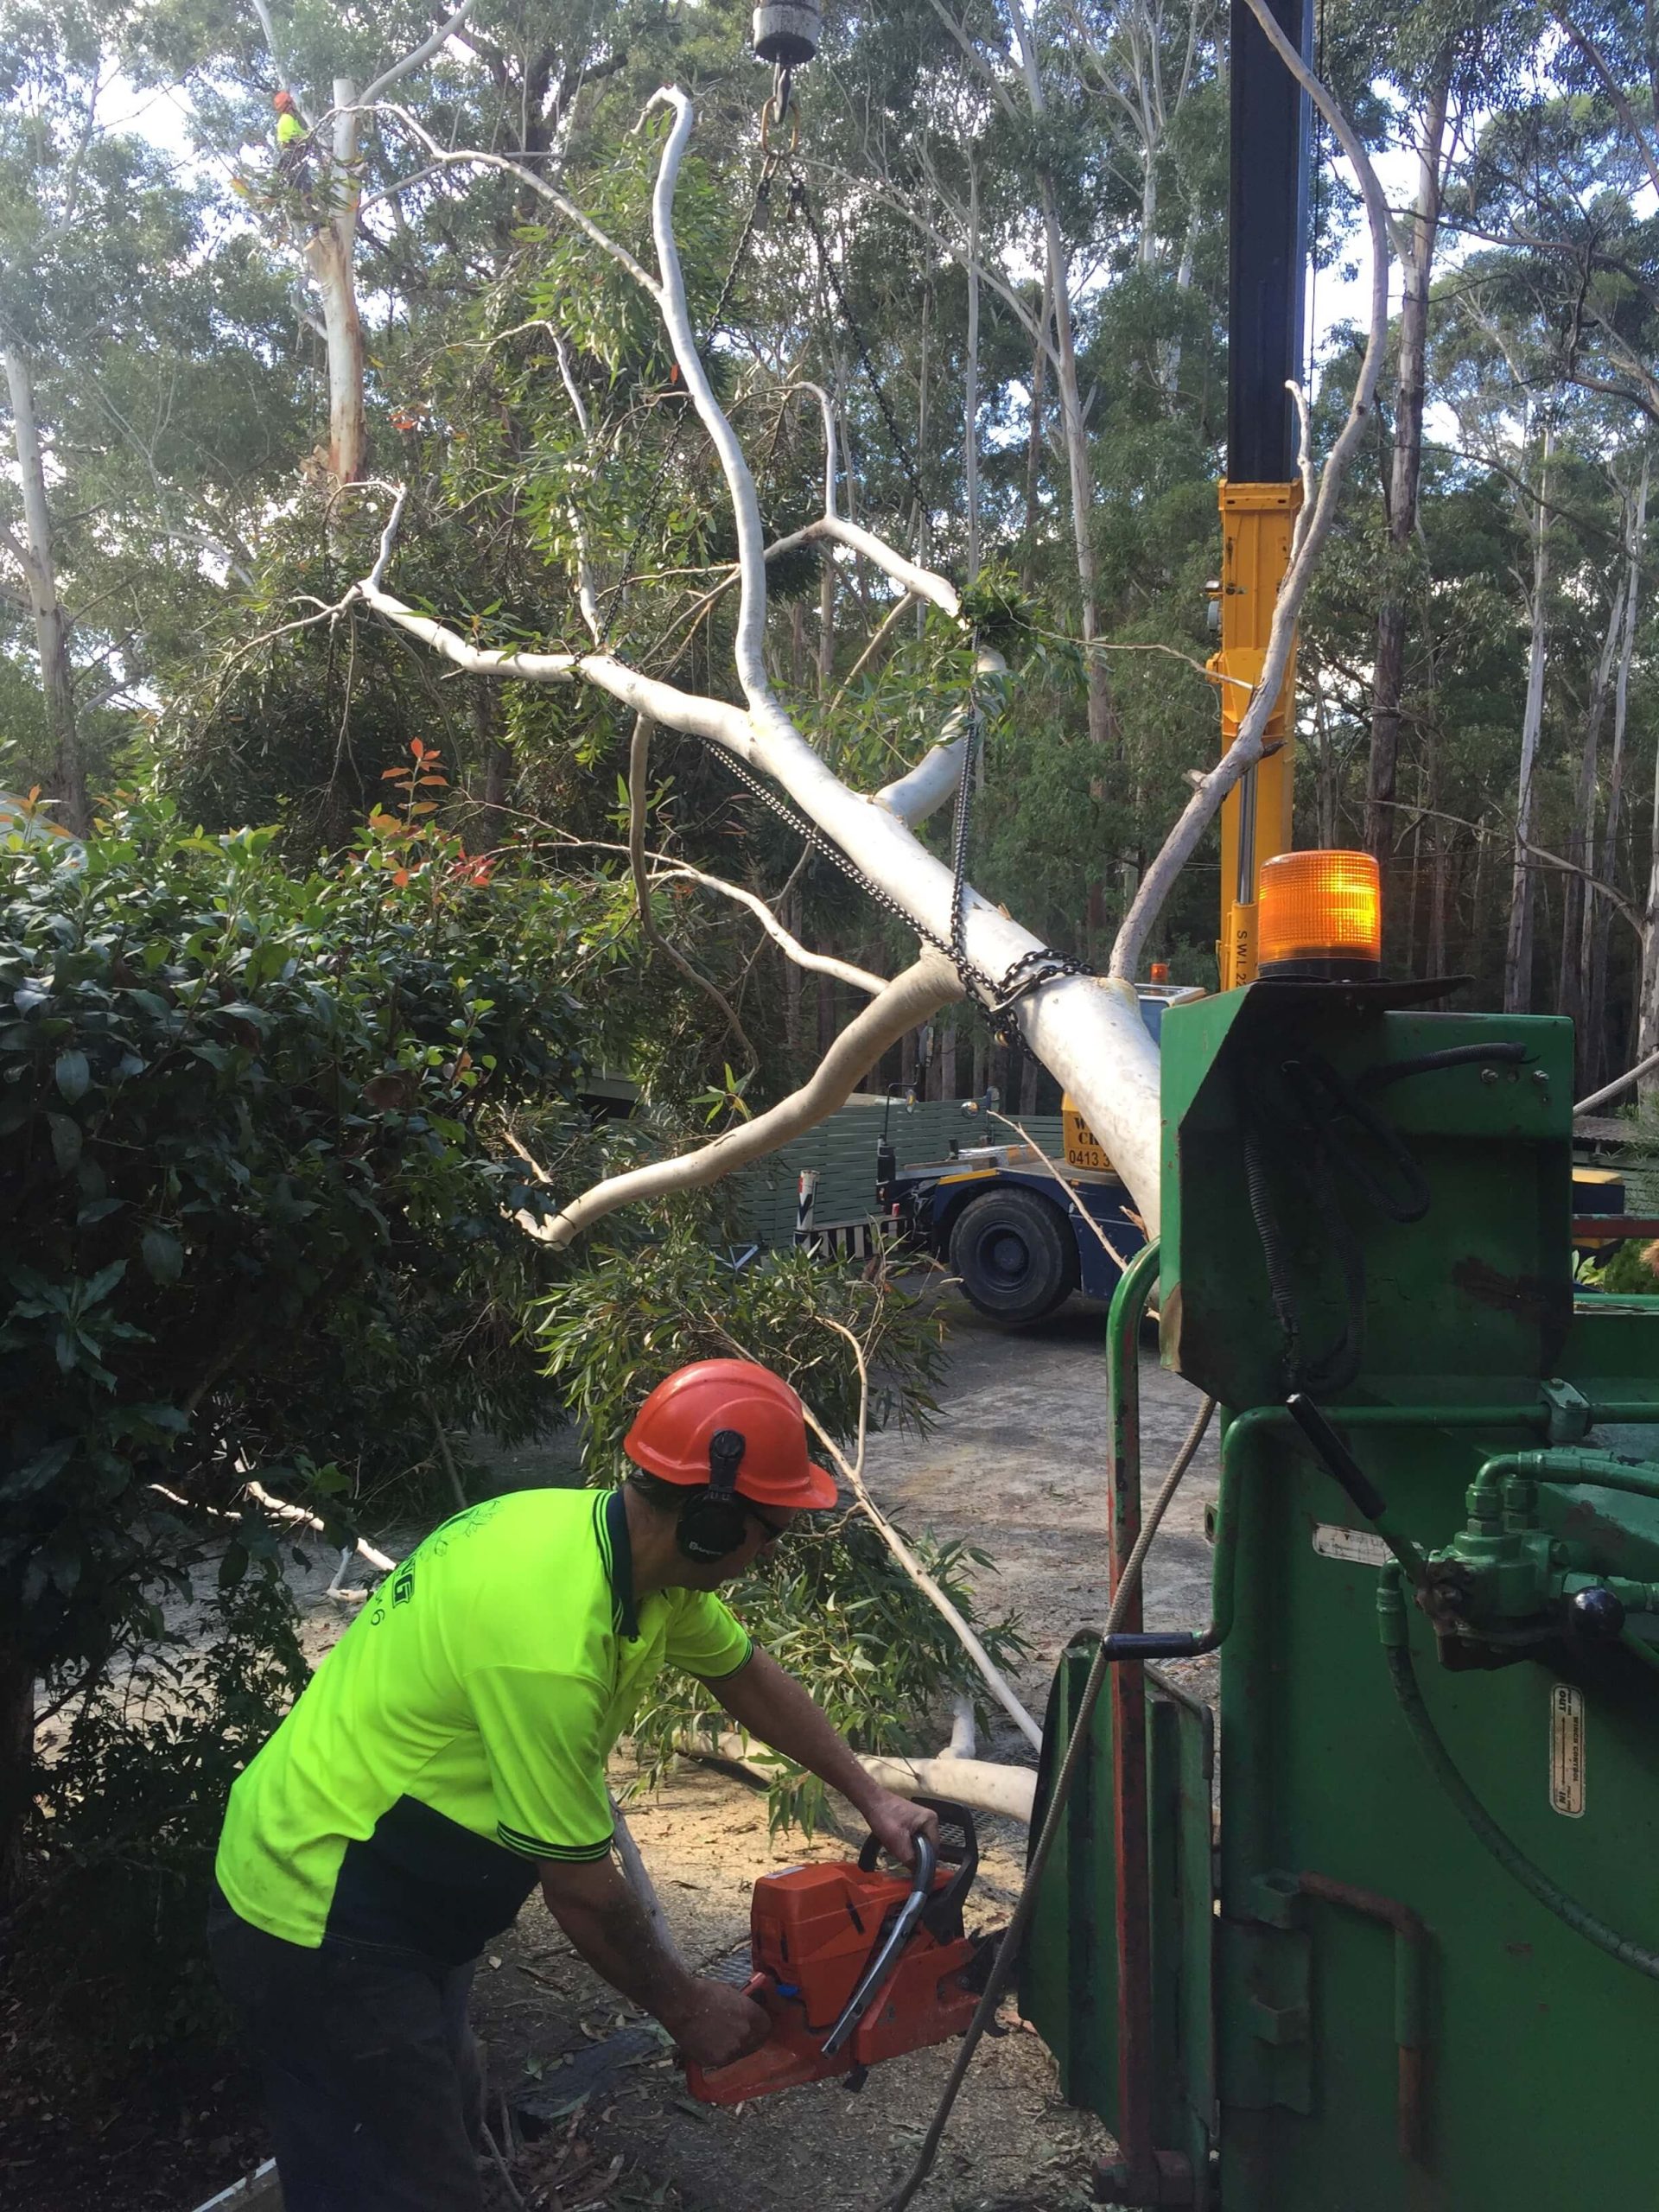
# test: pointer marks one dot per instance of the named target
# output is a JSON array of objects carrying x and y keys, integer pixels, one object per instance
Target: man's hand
[
  {"x": 895, "y": 1823},
  {"x": 717, "y": 2024}
]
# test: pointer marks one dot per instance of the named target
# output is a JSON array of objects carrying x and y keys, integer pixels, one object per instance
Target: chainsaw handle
[
  {"x": 944, "y": 1908},
  {"x": 884, "y": 1957},
  {"x": 948, "y": 1816}
]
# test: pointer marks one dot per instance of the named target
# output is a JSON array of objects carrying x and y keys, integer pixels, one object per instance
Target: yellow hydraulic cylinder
[{"x": 1256, "y": 522}]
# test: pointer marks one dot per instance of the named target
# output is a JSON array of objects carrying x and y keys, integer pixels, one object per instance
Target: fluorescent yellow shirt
[
  {"x": 458, "y": 1732},
  {"x": 289, "y": 128}
]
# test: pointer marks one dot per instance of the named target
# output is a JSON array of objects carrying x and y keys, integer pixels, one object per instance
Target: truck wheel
[{"x": 1015, "y": 1254}]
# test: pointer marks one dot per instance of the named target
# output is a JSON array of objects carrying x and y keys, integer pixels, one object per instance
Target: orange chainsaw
[{"x": 853, "y": 1965}]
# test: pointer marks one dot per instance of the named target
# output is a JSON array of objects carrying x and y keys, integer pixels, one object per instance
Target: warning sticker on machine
[
  {"x": 1566, "y": 1751},
  {"x": 1359, "y": 1547}
]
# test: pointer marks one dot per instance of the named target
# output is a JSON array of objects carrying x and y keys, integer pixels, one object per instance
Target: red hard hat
[
  {"x": 672, "y": 1431},
  {"x": 281, "y": 99}
]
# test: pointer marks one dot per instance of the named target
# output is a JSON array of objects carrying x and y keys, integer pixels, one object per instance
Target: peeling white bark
[
  {"x": 37, "y": 560},
  {"x": 911, "y": 998},
  {"x": 1086, "y": 1030}
]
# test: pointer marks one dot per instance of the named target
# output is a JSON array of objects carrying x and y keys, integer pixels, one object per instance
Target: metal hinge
[{"x": 1266, "y": 2034}]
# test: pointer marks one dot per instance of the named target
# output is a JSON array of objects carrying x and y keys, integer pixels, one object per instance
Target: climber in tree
[{"x": 293, "y": 139}]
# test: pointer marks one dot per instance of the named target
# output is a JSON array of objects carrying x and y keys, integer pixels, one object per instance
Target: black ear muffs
[{"x": 715, "y": 1521}]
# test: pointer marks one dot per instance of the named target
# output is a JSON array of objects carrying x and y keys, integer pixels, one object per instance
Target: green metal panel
[
  {"x": 1181, "y": 1771},
  {"x": 1539, "y": 2048},
  {"x": 843, "y": 1151},
  {"x": 1068, "y": 1976},
  {"x": 1068, "y": 1981},
  {"x": 1486, "y": 1271}
]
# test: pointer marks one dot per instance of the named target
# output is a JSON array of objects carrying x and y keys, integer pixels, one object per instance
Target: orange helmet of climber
[
  {"x": 282, "y": 102},
  {"x": 679, "y": 1422}
]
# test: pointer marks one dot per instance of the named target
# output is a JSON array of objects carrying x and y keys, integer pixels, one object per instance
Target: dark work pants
[{"x": 371, "y": 2077}]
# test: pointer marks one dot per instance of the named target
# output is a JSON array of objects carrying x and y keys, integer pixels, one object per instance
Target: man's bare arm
[
  {"x": 772, "y": 1705},
  {"x": 711, "y": 2022}
]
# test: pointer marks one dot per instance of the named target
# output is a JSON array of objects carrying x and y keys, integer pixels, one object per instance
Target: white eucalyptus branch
[
  {"x": 820, "y": 964},
  {"x": 1086, "y": 1030},
  {"x": 984, "y": 1785},
  {"x": 667, "y": 869},
  {"x": 853, "y": 1472},
  {"x": 441, "y": 156},
  {"x": 827, "y": 412},
  {"x": 587, "y": 597},
  {"x": 912, "y": 997},
  {"x": 884, "y": 629},
  {"x": 423, "y": 52},
  {"x": 1619, "y": 1083}
]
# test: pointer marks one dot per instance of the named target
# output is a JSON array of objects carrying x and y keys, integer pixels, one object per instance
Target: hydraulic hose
[
  {"x": 1563, "y": 1464},
  {"x": 1008, "y": 1956},
  {"x": 1391, "y": 1624}
]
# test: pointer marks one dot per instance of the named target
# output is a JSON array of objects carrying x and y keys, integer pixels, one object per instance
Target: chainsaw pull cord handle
[{"x": 885, "y": 1955}]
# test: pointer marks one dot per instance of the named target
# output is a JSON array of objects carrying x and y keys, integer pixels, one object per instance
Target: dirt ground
[
  {"x": 1018, "y": 1465},
  {"x": 812, "y": 2150}
]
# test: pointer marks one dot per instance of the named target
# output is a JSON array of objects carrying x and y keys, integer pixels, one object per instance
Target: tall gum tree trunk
[
  {"x": 40, "y": 578},
  {"x": 1406, "y": 473},
  {"x": 1598, "y": 914},
  {"x": 1034, "y": 443},
  {"x": 1517, "y": 954},
  {"x": 970, "y": 379},
  {"x": 331, "y": 256},
  {"x": 1647, "y": 1012},
  {"x": 1080, "y": 476},
  {"x": 1079, "y": 465},
  {"x": 1581, "y": 844}
]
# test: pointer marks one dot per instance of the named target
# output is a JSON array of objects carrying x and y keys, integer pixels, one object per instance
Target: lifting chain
[{"x": 997, "y": 996}]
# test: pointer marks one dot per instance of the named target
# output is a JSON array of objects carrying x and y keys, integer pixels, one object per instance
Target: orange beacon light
[{"x": 1320, "y": 917}]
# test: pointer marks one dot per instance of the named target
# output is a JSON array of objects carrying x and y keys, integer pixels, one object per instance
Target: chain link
[{"x": 997, "y": 996}]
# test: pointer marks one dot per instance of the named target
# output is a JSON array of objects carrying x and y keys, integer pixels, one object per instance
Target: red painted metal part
[
  {"x": 1139, "y": 2156},
  {"x": 1410, "y": 1930}
]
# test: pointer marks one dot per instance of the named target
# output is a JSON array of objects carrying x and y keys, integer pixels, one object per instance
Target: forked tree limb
[
  {"x": 912, "y": 997},
  {"x": 1086, "y": 1030}
]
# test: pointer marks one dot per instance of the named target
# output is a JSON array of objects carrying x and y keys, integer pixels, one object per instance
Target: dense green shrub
[
  {"x": 252, "y": 1223},
  {"x": 106, "y": 1945},
  {"x": 258, "y": 1212}
]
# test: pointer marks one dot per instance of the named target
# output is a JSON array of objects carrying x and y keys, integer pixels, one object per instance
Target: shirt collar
[{"x": 616, "y": 1549}]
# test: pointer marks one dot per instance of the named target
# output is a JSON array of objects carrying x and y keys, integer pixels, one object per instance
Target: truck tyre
[{"x": 1015, "y": 1254}]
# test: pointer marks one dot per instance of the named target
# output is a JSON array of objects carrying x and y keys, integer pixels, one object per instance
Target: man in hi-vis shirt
[{"x": 450, "y": 1752}]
